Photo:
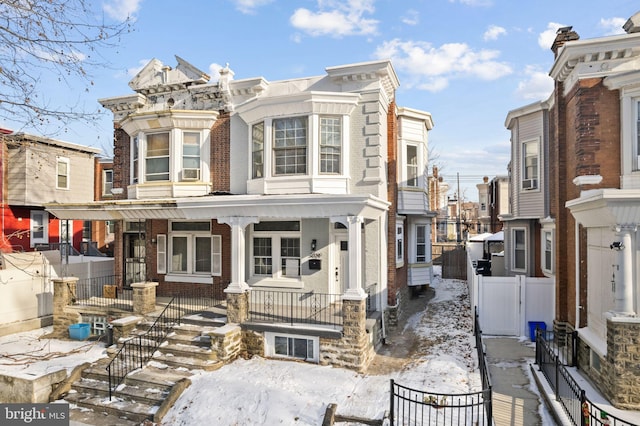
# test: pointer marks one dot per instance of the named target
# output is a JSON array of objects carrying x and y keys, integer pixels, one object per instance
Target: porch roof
[
  {"x": 606, "y": 207},
  {"x": 214, "y": 206}
]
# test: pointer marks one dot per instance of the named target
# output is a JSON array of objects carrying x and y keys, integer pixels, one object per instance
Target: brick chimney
[{"x": 563, "y": 35}]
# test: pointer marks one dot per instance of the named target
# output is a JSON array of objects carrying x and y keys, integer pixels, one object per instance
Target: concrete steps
[{"x": 147, "y": 393}]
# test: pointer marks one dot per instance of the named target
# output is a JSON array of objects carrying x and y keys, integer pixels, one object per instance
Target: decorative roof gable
[{"x": 156, "y": 77}]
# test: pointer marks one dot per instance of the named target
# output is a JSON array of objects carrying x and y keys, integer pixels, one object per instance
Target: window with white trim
[
  {"x": 39, "y": 227},
  {"x": 192, "y": 249},
  {"x": 330, "y": 145},
  {"x": 156, "y": 161},
  {"x": 190, "y": 156},
  {"x": 399, "y": 243},
  {"x": 292, "y": 346},
  {"x": 421, "y": 243},
  {"x": 107, "y": 183},
  {"x": 276, "y": 249},
  {"x": 257, "y": 150},
  {"x": 62, "y": 173},
  {"x": 547, "y": 251},
  {"x": 412, "y": 165},
  {"x": 519, "y": 249},
  {"x": 530, "y": 166},
  {"x": 290, "y": 146},
  {"x": 135, "y": 155},
  {"x": 637, "y": 134}
]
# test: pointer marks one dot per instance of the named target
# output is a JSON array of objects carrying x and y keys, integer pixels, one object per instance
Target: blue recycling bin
[
  {"x": 79, "y": 331},
  {"x": 533, "y": 325}
]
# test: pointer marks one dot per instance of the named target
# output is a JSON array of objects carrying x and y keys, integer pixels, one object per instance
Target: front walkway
[{"x": 514, "y": 402}]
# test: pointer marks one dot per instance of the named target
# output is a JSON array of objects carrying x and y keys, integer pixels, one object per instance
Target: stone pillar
[
  {"x": 237, "y": 307},
  {"x": 144, "y": 297},
  {"x": 354, "y": 330},
  {"x": 620, "y": 374},
  {"x": 123, "y": 327},
  {"x": 64, "y": 294},
  {"x": 238, "y": 254},
  {"x": 354, "y": 289}
]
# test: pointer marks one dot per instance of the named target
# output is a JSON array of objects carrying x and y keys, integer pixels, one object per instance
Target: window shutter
[
  {"x": 216, "y": 255},
  {"x": 161, "y": 249}
]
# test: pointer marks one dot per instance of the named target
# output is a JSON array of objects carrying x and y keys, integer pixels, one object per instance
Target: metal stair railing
[{"x": 136, "y": 351}]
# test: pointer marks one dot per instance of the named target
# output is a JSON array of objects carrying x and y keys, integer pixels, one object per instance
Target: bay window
[
  {"x": 257, "y": 150},
  {"x": 191, "y": 156},
  {"x": 290, "y": 146},
  {"x": 330, "y": 144},
  {"x": 421, "y": 243},
  {"x": 157, "y": 157},
  {"x": 530, "y": 155},
  {"x": 399, "y": 243},
  {"x": 412, "y": 165}
]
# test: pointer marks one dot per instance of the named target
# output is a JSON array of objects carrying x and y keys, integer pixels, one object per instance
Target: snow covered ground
[{"x": 272, "y": 392}]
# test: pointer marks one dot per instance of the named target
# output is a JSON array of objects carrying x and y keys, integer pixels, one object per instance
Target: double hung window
[
  {"x": 193, "y": 250},
  {"x": 290, "y": 146},
  {"x": 530, "y": 153},
  {"x": 330, "y": 144},
  {"x": 62, "y": 173},
  {"x": 257, "y": 150},
  {"x": 519, "y": 249},
  {"x": 421, "y": 243},
  {"x": 191, "y": 156},
  {"x": 412, "y": 165},
  {"x": 107, "y": 182},
  {"x": 157, "y": 157}
]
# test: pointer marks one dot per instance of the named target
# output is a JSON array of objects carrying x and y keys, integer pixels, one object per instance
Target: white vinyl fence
[
  {"x": 26, "y": 283},
  {"x": 506, "y": 305}
]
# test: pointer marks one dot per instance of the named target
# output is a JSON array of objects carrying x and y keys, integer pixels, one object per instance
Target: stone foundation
[
  {"x": 226, "y": 342},
  {"x": 253, "y": 343},
  {"x": 621, "y": 369}
]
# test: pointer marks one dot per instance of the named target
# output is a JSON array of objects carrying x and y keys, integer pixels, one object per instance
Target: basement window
[{"x": 292, "y": 346}]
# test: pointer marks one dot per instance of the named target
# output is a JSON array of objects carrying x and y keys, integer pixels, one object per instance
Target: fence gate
[
  {"x": 499, "y": 299},
  {"x": 453, "y": 258}
]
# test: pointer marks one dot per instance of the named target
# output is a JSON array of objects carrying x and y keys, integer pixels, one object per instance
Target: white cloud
[
  {"x": 214, "y": 71},
  {"x": 538, "y": 85},
  {"x": 250, "y": 6},
  {"x": 412, "y": 17},
  {"x": 431, "y": 68},
  {"x": 133, "y": 71},
  {"x": 336, "y": 18},
  {"x": 493, "y": 32},
  {"x": 612, "y": 26},
  {"x": 546, "y": 38},
  {"x": 122, "y": 9}
]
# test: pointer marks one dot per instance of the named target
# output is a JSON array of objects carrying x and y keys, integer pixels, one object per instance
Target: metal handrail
[{"x": 136, "y": 351}]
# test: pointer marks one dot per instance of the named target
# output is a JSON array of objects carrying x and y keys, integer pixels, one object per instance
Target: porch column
[
  {"x": 238, "y": 255},
  {"x": 624, "y": 283},
  {"x": 354, "y": 289}
]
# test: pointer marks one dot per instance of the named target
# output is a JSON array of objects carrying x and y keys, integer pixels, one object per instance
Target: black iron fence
[
  {"x": 103, "y": 292},
  {"x": 554, "y": 352},
  {"x": 415, "y": 407},
  {"x": 295, "y": 307},
  {"x": 194, "y": 298}
]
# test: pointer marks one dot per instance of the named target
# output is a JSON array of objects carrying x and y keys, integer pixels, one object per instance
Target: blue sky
[{"x": 467, "y": 62}]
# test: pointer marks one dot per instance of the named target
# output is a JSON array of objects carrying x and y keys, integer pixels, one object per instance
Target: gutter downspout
[{"x": 577, "y": 273}]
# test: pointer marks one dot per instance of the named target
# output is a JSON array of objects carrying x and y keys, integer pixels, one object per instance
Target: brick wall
[{"x": 220, "y": 154}]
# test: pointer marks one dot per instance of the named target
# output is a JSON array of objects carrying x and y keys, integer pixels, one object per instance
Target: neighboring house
[
  {"x": 36, "y": 171},
  {"x": 498, "y": 201},
  {"x": 589, "y": 228},
  {"x": 484, "y": 212},
  {"x": 303, "y": 187},
  {"x": 526, "y": 225},
  {"x": 101, "y": 232},
  {"x": 438, "y": 201}
]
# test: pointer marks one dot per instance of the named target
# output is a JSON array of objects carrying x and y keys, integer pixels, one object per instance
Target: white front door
[{"x": 341, "y": 264}]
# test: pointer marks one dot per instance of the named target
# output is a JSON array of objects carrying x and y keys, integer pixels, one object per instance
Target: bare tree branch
[{"x": 60, "y": 38}]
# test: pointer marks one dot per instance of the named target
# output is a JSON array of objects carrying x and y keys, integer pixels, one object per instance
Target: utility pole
[{"x": 459, "y": 211}]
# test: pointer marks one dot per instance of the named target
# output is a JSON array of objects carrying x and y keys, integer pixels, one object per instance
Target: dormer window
[{"x": 290, "y": 146}]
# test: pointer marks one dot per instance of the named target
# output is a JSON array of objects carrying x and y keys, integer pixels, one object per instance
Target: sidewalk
[{"x": 515, "y": 402}]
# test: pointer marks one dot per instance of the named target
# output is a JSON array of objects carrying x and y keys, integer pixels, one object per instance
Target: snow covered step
[
  {"x": 134, "y": 411},
  {"x": 189, "y": 363},
  {"x": 188, "y": 351},
  {"x": 198, "y": 340},
  {"x": 146, "y": 393}
]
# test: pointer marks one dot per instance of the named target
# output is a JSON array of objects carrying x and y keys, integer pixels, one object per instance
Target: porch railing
[
  {"x": 552, "y": 357},
  {"x": 295, "y": 307},
  {"x": 102, "y": 292}
]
